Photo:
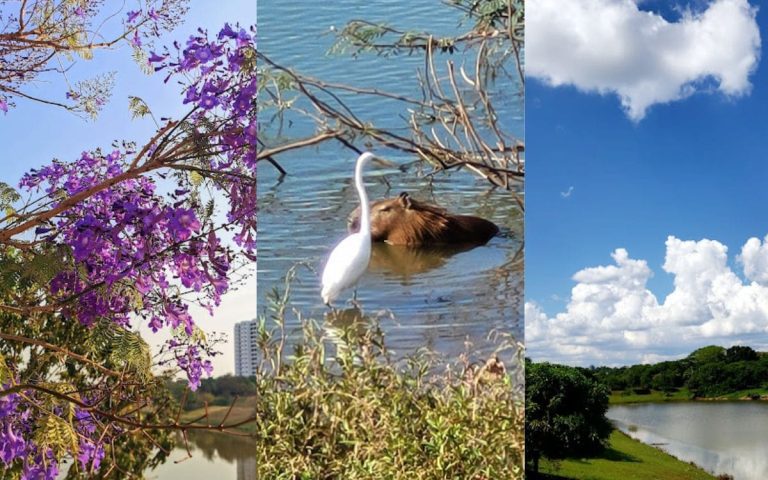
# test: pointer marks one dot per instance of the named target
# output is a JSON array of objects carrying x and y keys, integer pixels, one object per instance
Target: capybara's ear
[{"x": 405, "y": 200}]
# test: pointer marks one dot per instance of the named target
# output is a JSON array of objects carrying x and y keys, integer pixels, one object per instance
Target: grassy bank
[
  {"x": 655, "y": 396},
  {"x": 625, "y": 459},
  {"x": 242, "y": 410},
  {"x": 684, "y": 395}
]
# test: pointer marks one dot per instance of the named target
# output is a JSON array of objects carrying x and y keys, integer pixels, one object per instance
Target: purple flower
[
  {"x": 191, "y": 96},
  {"x": 155, "y": 58},
  {"x": 133, "y": 15},
  {"x": 84, "y": 244},
  {"x": 227, "y": 32},
  {"x": 155, "y": 324},
  {"x": 90, "y": 456},
  {"x": 3, "y": 105},
  {"x": 243, "y": 39},
  {"x": 153, "y": 15},
  {"x": 136, "y": 41},
  {"x": 182, "y": 222},
  {"x": 203, "y": 54},
  {"x": 208, "y": 101}
]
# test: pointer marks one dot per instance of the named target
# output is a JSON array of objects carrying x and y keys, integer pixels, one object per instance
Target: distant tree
[
  {"x": 709, "y": 354},
  {"x": 739, "y": 353},
  {"x": 708, "y": 380},
  {"x": 565, "y": 413}
]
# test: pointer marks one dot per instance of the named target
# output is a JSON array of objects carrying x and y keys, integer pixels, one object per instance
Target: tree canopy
[
  {"x": 707, "y": 372},
  {"x": 128, "y": 233},
  {"x": 564, "y": 412}
]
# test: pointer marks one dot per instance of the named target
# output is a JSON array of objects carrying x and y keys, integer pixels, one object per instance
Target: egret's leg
[{"x": 354, "y": 301}]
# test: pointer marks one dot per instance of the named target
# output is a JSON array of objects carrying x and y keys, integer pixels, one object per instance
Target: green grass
[
  {"x": 743, "y": 394},
  {"x": 682, "y": 395},
  {"x": 620, "y": 397},
  {"x": 624, "y": 459}
]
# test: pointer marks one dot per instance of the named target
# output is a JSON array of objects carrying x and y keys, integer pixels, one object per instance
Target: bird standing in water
[{"x": 349, "y": 259}]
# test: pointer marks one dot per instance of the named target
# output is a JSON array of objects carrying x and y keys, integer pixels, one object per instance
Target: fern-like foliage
[
  {"x": 125, "y": 349},
  {"x": 8, "y": 196},
  {"x": 58, "y": 435},
  {"x": 6, "y": 376}
]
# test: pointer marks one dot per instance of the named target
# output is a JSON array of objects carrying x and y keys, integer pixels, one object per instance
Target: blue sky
[
  {"x": 684, "y": 154},
  {"x": 33, "y": 134}
]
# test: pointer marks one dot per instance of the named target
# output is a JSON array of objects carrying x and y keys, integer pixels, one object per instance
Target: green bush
[{"x": 360, "y": 414}]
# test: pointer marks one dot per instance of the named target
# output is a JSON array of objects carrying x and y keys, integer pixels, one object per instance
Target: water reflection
[
  {"x": 721, "y": 437},
  {"x": 214, "y": 455},
  {"x": 403, "y": 261}
]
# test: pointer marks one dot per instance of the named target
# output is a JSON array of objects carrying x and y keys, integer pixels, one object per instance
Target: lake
[
  {"x": 721, "y": 437},
  {"x": 447, "y": 300},
  {"x": 214, "y": 455}
]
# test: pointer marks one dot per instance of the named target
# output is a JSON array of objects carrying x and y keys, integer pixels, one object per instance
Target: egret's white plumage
[{"x": 349, "y": 260}]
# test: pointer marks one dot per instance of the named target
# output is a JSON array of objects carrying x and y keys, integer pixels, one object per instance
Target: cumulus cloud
[
  {"x": 754, "y": 256},
  {"x": 613, "y": 318},
  {"x": 614, "y": 47}
]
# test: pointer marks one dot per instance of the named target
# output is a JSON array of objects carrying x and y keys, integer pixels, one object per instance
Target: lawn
[
  {"x": 682, "y": 395},
  {"x": 625, "y": 459},
  {"x": 619, "y": 397}
]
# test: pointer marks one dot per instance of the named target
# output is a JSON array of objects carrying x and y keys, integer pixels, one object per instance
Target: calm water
[
  {"x": 214, "y": 456},
  {"x": 437, "y": 298},
  {"x": 721, "y": 437}
]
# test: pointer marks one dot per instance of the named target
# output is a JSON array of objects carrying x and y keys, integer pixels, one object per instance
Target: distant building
[
  {"x": 245, "y": 348},
  {"x": 246, "y": 468}
]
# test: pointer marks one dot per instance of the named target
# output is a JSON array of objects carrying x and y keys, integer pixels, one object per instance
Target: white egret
[{"x": 349, "y": 259}]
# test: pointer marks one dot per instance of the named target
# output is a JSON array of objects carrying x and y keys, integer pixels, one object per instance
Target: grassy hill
[{"x": 624, "y": 459}]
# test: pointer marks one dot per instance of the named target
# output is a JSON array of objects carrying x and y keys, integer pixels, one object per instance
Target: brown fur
[{"x": 405, "y": 221}]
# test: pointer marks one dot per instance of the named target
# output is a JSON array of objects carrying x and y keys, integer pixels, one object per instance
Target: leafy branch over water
[{"x": 451, "y": 123}]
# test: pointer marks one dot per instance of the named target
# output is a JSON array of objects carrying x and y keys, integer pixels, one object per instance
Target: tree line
[
  {"x": 707, "y": 372},
  {"x": 215, "y": 391}
]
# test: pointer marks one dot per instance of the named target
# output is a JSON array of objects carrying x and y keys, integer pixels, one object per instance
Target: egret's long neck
[{"x": 365, "y": 211}]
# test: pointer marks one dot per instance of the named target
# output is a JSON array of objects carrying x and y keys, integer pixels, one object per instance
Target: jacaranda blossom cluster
[
  {"x": 140, "y": 242},
  {"x": 18, "y": 445},
  {"x": 223, "y": 90}
]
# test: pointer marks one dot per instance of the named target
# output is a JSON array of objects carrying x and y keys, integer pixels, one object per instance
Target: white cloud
[
  {"x": 754, "y": 257},
  {"x": 567, "y": 193},
  {"x": 613, "y": 47},
  {"x": 613, "y": 318}
]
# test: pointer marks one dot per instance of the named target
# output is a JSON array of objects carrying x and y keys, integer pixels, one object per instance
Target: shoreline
[
  {"x": 683, "y": 397},
  {"x": 659, "y": 447},
  {"x": 626, "y": 457}
]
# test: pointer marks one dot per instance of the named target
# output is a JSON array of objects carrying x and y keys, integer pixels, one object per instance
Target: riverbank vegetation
[
  {"x": 624, "y": 458},
  {"x": 348, "y": 408},
  {"x": 220, "y": 391}
]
